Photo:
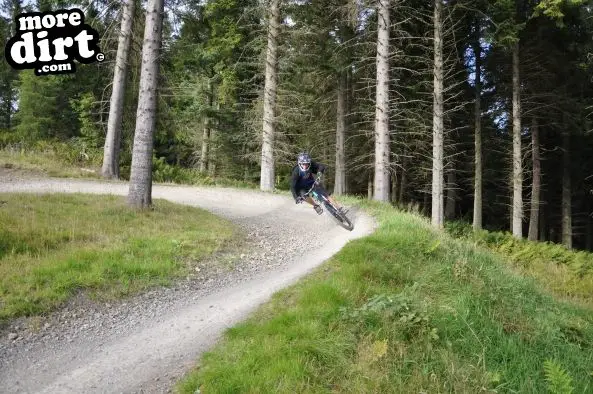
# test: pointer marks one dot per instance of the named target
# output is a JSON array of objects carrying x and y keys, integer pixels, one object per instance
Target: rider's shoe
[{"x": 318, "y": 209}]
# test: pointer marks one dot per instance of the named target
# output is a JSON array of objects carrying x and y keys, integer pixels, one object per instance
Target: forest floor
[{"x": 146, "y": 343}]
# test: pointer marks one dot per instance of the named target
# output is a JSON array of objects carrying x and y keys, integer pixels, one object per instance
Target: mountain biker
[{"x": 303, "y": 179}]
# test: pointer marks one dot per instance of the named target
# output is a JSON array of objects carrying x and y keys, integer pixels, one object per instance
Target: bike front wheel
[{"x": 341, "y": 218}]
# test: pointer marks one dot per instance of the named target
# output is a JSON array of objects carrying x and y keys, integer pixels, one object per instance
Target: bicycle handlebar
[{"x": 317, "y": 182}]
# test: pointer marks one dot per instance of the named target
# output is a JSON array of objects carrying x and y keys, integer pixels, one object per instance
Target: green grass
[
  {"x": 61, "y": 160},
  {"x": 47, "y": 162},
  {"x": 405, "y": 310},
  {"x": 53, "y": 245},
  {"x": 568, "y": 274}
]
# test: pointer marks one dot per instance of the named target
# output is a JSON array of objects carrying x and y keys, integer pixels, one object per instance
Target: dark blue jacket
[{"x": 298, "y": 182}]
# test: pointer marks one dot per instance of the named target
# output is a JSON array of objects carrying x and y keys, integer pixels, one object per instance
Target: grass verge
[
  {"x": 47, "y": 163},
  {"x": 405, "y": 310},
  {"x": 53, "y": 245},
  {"x": 568, "y": 274}
]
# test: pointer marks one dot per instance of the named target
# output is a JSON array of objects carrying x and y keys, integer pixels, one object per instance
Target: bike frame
[
  {"x": 313, "y": 192},
  {"x": 318, "y": 197}
]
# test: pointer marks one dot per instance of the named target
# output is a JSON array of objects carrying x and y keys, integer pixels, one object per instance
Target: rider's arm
[
  {"x": 293, "y": 182},
  {"x": 316, "y": 168}
]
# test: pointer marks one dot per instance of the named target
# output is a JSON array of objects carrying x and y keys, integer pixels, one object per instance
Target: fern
[{"x": 559, "y": 381}]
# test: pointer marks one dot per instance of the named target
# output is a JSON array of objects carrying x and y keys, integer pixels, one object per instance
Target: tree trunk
[
  {"x": 9, "y": 97},
  {"x": 214, "y": 143},
  {"x": 113, "y": 139},
  {"x": 206, "y": 132},
  {"x": 340, "y": 178},
  {"x": 402, "y": 186},
  {"x": 205, "y": 141},
  {"x": 451, "y": 200},
  {"x": 211, "y": 168},
  {"x": 517, "y": 212},
  {"x": 394, "y": 187},
  {"x": 437, "y": 121},
  {"x": 269, "y": 122},
  {"x": 566, "y": 191},
  {"x": 403, "y": 180},
  {"x": 589, "y": 227},
  {"x": 382, "y": 151},
  {"x": 370, "y": 188},
  {"x": 477, "y": 222},
  {"x": 536, "y": 184},
  {"x": 245, "y": 163},
  {"x": 543, "y": 219},
  {"x": 16, "y": 8},
  {"x": 11, "y": 86},
  {"x": 8, "y": 109},
  {"x": 140, "y": 192}
]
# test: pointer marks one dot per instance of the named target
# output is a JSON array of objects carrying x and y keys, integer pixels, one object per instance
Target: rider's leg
[
  {"x": 309, "y": 199},
  {"x": 312, "y": 202},
  {"x": 331, "y": 199}
]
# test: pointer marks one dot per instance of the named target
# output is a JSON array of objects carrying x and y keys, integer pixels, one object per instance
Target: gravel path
[{"x": 144, "y": 344}]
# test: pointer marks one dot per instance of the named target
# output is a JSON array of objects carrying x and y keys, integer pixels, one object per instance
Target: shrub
[{"x": 527, "y": 253}]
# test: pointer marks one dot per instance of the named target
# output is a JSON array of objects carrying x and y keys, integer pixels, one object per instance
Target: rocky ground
[{"x": 145, "y": 343}]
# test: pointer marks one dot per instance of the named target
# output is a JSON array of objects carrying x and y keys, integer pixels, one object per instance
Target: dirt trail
[{"x": 146, "y": 343}]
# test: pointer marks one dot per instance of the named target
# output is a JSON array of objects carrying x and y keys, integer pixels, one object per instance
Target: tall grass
[
  {"x": 565, "y": 273},
  {"x": 53, "y": 159},
  {"x": 405, "y": 310}
]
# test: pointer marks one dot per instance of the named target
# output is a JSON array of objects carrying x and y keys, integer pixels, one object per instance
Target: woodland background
[{"x": 506, "y": 84}]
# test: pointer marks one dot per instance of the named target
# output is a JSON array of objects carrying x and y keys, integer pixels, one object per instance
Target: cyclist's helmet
[{"x": 304, "y": 162}]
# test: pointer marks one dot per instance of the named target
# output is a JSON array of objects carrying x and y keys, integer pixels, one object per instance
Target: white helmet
[{"x": 304, "y": 162}]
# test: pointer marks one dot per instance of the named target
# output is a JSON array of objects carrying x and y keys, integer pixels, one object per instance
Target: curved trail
[{"x": 163, "y": 343}]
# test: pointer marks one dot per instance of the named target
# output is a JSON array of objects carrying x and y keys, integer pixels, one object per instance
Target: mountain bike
[{"x": 321, "y": 198}]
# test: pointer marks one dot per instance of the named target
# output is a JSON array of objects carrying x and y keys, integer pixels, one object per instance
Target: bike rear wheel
[{"x": 341, "y": 218}]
